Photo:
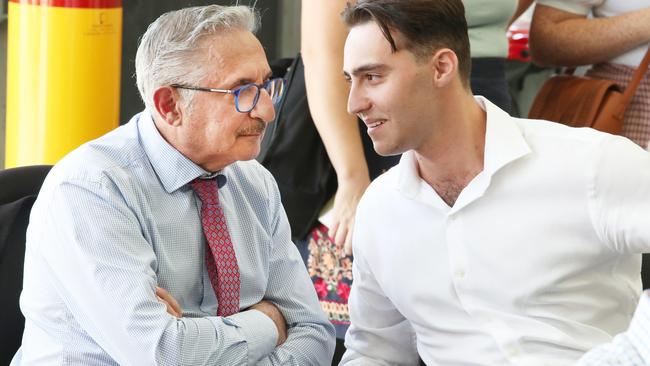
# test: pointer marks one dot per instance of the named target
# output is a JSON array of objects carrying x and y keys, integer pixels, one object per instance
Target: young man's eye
[{"x": 372, "y": 77}]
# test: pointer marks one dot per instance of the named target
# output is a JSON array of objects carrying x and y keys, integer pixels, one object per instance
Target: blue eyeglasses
[{"x": 246, "y": 96}]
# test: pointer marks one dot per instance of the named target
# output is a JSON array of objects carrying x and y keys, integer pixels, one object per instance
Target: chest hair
[{"x": 449, "y": 190}]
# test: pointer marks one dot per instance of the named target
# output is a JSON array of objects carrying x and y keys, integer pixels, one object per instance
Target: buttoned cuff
[
  {"x": 576, "y": 7},
  {"x": 639, "y": 331},
  {"x": 260, "y": 333}
]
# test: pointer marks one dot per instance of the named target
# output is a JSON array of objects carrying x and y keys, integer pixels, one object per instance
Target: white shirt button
[
  {"x": 460, "y": 273},
  {"x": 511, "y": 351}
]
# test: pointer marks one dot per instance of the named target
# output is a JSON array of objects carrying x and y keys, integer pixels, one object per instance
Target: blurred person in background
[
  {"x": 487, "y": 22},
  {"x": 613, "y": 40}
]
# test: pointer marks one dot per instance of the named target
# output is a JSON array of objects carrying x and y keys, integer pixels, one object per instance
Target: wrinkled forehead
[{"x": 232, "y": 56}]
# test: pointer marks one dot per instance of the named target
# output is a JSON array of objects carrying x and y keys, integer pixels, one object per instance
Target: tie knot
[{"x": 207, "y": 190}]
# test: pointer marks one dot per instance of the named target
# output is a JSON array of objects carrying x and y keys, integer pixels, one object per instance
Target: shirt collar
[
  {"x": 173, "y": 169},
  {"x": 504, "y": 143}
]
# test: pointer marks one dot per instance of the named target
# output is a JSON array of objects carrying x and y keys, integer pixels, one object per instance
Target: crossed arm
[
  {"x": 266, "y": 307},
  {"x": 111, "y": 290}
]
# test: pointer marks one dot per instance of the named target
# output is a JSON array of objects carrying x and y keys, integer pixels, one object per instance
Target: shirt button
[
  {"x": 511, "y": 351},
  {"x": 460, "y": 273}
]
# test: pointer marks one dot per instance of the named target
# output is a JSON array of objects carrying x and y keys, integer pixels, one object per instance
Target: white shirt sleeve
[
  {"x": 310, "y": 336},
  {"x": 619, "y": 195},
  {"x": 379, "y": 333},
  {"x": 582, "y": 7}
]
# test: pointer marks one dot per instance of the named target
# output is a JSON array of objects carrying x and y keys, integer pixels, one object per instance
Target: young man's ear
[
  {"x": 167, "y": 103},
  {"x": 445, "y": 67}
]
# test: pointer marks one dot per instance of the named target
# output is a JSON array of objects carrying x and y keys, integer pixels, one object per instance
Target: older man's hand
[
  {"x": 173, "y": 307},
  {"x": 272, "y": 311}
]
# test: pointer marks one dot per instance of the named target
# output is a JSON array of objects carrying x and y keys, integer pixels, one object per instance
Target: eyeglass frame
[{"x": 235, "y": 91}]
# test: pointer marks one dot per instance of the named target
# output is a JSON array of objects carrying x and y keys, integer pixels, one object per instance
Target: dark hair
[{"x": 426, "y": 25}]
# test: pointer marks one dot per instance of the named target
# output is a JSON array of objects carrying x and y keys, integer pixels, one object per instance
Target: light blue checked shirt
[
  {"x": 114, "y": 219},
  {"x": 631, "y": 348}
]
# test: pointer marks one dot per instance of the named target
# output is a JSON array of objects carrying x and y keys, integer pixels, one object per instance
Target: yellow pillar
[{"x": 63, "y": 76}]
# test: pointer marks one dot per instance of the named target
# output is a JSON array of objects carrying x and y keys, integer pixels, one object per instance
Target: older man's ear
[{"x": 167, "y": 103}]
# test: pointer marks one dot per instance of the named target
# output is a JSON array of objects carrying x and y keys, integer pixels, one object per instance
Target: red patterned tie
[{"x": 220, "y": 258}]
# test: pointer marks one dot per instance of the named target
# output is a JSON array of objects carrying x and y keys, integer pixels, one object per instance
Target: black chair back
[
  {"x": 18, "y": 190},
  {"x": 645, "y": 271}
]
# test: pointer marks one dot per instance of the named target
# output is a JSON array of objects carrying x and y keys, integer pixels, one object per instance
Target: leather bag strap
[
  {"x": 569, "y": 71},
  {"x": 628, "y": 94},
  {"x": 636, "y": 80}
]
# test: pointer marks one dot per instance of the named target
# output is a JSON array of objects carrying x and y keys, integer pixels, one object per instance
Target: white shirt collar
[{"x": 504, "y": 143}]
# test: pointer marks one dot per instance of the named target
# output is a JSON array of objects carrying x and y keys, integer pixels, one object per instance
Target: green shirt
[{"x": 487, "y": 21}]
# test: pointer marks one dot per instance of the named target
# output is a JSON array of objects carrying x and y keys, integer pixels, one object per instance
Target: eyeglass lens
[
  {"x": 275, "y": 87},
  {"x": 248, "y": 95}
]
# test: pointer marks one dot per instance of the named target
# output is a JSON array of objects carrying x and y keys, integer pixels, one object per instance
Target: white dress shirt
[
  {"x": 114, "y": 219},
  {"x": 537, "y": 262}
]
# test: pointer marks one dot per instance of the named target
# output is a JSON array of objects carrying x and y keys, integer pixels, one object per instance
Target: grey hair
[{"x": 167, "y": 49}]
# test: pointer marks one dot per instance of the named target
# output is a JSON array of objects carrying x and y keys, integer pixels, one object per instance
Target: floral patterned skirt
[{"x": 331, "y": 272}]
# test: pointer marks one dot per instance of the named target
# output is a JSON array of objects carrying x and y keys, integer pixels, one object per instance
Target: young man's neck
[{"x": 454, "y": 155}]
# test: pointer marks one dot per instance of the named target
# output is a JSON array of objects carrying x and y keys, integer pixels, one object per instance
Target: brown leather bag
[{"x": 580, "y": 101}]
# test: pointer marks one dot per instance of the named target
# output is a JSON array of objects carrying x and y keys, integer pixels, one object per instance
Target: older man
[
  {"x": 496, "y": 240},
  {"x": 168, "y": 208}
]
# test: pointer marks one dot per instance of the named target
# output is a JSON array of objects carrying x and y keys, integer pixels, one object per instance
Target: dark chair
[
  {"x": 645, "y": 271},
  {"x": 18, "y": 190}
]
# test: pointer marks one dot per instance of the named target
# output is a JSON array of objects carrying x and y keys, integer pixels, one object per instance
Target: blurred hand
[
  {"x": 173, "y": 307},
  {"x": 269, "y": 309},
  {"x": 346, "y": 200}
]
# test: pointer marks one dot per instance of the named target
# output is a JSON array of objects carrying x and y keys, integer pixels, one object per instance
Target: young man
[
  {"x": 168, "y": 208},
  {"x": 496, "y": 240}
]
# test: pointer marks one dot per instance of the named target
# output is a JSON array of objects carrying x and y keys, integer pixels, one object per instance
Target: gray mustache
[{"x": 256, "y": 128}]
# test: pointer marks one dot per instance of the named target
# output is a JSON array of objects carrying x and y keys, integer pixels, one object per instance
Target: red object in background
[
  {"x": 518, "y": 44},
  {"x": 343, "y": 290},
  {"x": 321, "y": 288}
]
